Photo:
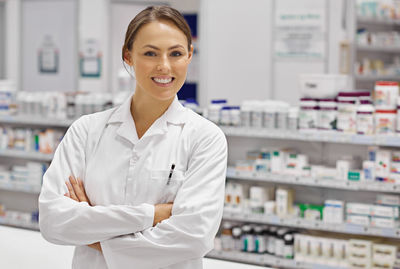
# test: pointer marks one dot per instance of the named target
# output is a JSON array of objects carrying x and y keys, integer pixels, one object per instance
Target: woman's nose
[{"x": 164, "y": 64}]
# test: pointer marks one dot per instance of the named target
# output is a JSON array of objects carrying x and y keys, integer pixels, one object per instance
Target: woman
[{"x": 137, "y": 159}]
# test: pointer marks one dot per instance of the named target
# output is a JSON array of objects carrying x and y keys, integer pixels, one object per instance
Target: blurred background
[{"x": 306, "y": 92}]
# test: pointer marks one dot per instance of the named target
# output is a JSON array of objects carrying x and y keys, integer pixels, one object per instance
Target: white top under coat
[{"x": 124, "y": 177}]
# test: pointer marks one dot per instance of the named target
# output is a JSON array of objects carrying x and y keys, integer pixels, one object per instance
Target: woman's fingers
[
  {"x": 72, "y": 194},
  {"x": 79, "y": 189}
]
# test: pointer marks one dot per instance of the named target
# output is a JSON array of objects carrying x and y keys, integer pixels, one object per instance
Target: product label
[
  {"x": 307, "y": 119},
  {"x": 326, "y": 119},
  {"x": 365, "y": 124},
  {"x": 346, "y": 121}
]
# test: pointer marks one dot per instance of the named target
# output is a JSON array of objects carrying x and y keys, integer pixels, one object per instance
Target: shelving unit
[
  {"x": 377, "y": 21},
  {"x": 315, "y": 136},
  {"x": 265, "y": 260},
  {"x": 373, "y": 78},
  {"x": 14, "y": 154},
  {"x": 17, "y": 187},
  {"x": 387, "y": 49},
  {"x": 377, "y": 52},
  {"x": 299, "y": 223},
  {"x": 35, "y": 121},
  {"x": 19, "y": 224},
  {"x": 19, "y": 154},
  {"x": 312, "y": 182}
]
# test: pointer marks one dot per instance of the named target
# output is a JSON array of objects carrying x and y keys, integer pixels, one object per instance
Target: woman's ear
[
  {"x": 128, "y": 58},
  {"x": 191, "y": 52}
]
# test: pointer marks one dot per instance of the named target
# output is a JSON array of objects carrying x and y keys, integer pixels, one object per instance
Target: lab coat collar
[{"x": 175, "y": 114}]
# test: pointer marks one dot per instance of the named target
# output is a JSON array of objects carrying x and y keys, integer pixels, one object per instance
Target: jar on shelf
[
  {"x": 385, "y": 95},
  {"x": 245, "y": 114},
  {"x": 235, "y": 115},
  {"x": 282, "y": 111},
  {"x": 269, "y": 115},
  {"x": 225, "y": 116},
  {"x": 327, "y": 114},
  {"x": 214, "y": 110},
  {"x": 227, "y": 240},
  {"x": 308, "y": 114},
  {"x": 347, "y": 112},
  {"x": 257, "y": 114},
  {"x": 385, "y": 121},
  {"x": 293, "y": 119},
  {"x": 365, "y": 118}
]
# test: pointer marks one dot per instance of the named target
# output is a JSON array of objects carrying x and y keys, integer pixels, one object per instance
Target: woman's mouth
[{"x": 163, "y": 82}]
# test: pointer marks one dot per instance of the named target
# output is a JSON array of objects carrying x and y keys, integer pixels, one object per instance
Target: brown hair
[{"x": 155, "y": 13}]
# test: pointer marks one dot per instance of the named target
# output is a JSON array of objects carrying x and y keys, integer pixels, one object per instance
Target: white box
[
  {"x": 385, "y": 199},
  {"x": 384, "y": 222},
  {"x": 385, "y": 211},
  {"x": 284, "y": 202},
  {"x": 358, "y": 220},
  {"x": 358, "y": 209},
  {"x": 322, "y": 85},
  {"x": 382, "y": 163}
]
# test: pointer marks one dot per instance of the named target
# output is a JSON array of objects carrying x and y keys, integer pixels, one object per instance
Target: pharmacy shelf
[
  {"x": 18, "y": 187},
  {"x": 264, "y": 260},
  {"x": 19, "y": 224},
  {"x": 36, "y": 121},
  {"x": 387, "y": 49},
  {"x": 377, "y": 21},
  {"x": 374, "y": 78},
  {"x": 20, "y": 154},
  {"x": 314, "y": 136},
  {"x": 344, "y": 228},
  {"x": 313, "y": 182}
]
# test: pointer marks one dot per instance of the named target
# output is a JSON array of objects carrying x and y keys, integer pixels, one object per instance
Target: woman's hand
[
  {"x": 162, "y": 212},
  {"x": 76, "y": 190}
]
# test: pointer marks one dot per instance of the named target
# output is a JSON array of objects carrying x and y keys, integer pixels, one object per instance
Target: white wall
[
  {"x": 44, "y": 22},
  {"x": 2, "y": 38},
  {"x": 94, "y": 24},
  {"x": 13, "y": 41},
  {"x": 235, "y": 58},
  {"x": 236, "y": 55}
]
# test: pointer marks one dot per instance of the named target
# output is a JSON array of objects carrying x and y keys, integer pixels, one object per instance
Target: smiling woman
[{"x": 140, "y": 185}]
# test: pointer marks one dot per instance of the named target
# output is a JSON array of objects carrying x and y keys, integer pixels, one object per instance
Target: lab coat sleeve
[
  {"x": 197, "y": 211},
  {"x": 67, "y": 222}
]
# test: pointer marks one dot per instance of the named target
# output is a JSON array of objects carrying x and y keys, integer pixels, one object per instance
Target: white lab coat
[{"x": 124, "y": 177}]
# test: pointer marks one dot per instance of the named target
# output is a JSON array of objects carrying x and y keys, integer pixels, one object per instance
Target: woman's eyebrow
[{"x": 156, "y": 48}]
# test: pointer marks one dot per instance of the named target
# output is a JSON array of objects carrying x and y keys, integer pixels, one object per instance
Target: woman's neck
[{"x": 146, "y": 110}]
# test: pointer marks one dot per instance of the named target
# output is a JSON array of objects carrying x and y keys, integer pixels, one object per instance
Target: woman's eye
[
  {"x": 150, "y": 53},
  {"x": 176, "y": 53}
]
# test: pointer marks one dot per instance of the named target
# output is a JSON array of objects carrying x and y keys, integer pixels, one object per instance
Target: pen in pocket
[{"x": 170, "y": 173}]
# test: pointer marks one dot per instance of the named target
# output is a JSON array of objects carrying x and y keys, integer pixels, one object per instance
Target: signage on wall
[
  {"x": 300, "y": 34},
  {"x": 48, "y": 56},
  {"x": 90, "y": 58}
]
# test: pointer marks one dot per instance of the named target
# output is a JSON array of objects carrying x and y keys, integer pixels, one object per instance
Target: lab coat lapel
[
  {"x": 175, "y": 114},
  {"x": 122, "y": 115}
]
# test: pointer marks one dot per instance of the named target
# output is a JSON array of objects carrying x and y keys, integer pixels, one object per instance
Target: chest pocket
[{"x": 159, "y": 190}]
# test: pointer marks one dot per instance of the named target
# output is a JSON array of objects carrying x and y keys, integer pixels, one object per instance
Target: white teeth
[{"x": 161, "y": 80}]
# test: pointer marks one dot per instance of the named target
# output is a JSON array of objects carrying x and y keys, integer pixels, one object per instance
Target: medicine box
[
  {"x": 384, "y": 255},
  {"x": 358, "y": 209},
  {"x": 382, "y": 163},
  {"x": 385, "y": 211},
  {"x": 358, "y": 220},
  {"x": 384, "y": 222},
  {"x": 385, "y": 199}
]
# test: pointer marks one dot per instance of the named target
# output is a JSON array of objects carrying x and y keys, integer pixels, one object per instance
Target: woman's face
[{"x": 160, "y": 58}]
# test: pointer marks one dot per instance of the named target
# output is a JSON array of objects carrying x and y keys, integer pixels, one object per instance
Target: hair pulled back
[{"x": 155, "y": 13}]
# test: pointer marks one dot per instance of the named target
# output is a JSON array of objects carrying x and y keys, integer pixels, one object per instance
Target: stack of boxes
[{"x": 383, "y": 214}]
